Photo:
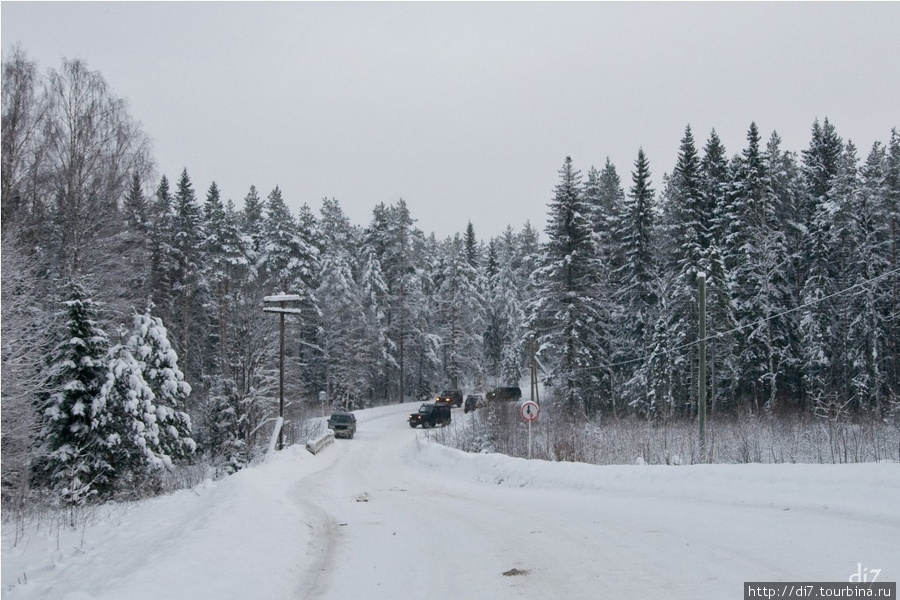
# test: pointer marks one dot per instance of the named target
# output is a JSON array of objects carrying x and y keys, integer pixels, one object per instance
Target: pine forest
[{"x": 134, "y": 340}]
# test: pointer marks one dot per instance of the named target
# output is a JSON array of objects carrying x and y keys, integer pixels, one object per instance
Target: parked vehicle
[
  {"x": 342, "y": 424},
  {"x": 430, "y": 415},
  {"x": 505, "y": 393},
  {"x": 451, "y": 397},
  {"x": 473, "y": 401}
]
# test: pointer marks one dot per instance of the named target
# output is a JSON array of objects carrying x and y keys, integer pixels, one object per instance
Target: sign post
[
  {"x": 529, "y": 411},
  {"x": 279, "y": 304}
]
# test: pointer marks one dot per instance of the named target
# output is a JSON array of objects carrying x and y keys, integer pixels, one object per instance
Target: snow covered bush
[{"x": 562, "y": 436}]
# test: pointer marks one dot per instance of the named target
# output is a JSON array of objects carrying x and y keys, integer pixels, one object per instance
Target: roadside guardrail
[{"x": 318, "y": 444}]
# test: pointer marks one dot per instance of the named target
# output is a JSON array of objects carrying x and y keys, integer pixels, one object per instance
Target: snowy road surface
[{"x": 390, "y": 515}]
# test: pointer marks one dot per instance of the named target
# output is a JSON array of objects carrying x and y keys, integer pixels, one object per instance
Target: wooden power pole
[
  {"x": 701, "y": 400},
  {"x": 279, "y": 304}
]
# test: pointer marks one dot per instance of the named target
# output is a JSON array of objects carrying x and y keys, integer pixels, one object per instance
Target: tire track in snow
[{"x": 324, "y": 530}]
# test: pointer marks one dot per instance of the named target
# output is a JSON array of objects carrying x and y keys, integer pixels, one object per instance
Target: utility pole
[
  {"x": 701, "y": 401},
  {"x": 279, "y": 304}
]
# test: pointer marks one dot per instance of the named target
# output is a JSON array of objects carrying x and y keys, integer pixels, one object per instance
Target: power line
[
  {"x": 750, "y": 325},
  {"x": 806, "y": 304}
]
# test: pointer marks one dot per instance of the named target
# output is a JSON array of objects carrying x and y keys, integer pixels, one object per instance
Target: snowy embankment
[
  {"x": 240, "y": 537},
  {"x": 868, "y": 489},
  {"x": 298, "y": 525}
]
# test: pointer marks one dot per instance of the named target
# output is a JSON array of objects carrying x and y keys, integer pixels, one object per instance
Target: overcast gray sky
[{"x": 466, "y": 110}]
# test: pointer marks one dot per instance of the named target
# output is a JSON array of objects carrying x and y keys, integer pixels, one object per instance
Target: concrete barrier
[{"x": 323, "y": 441}]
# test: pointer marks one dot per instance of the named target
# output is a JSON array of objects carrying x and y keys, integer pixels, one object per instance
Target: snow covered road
[
  {"x": 390, "y": 515},
  {"x": 403, "y": 525}
]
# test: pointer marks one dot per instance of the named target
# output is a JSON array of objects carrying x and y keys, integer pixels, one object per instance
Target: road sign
[{"x": 529, "y": 410}]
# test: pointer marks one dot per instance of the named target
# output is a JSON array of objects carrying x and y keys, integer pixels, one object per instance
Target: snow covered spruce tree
[
  {"x": 686, "y": 228},
  {"x": 225, "y": 267},
  {"x": 342, "y": 331},
  {"x": 604, "y": 197},
  {"x": 506, "y": 312},
  {"x": 421, "y": 341},
  {"x": 762, "y": 280},
  {"x": 820, "y": 268},
  {"x": 290, "y": 258},
  {"x": 342, "y": 308},
  {"x": 75, "y": 459},
  {"x": 460, "y": 317},
  {"x": 138, "y": 410},
  {"x": 162, "y": 250},
  {"x": 373, "y": 290},
  {"x": 290, "y": 264},
  {"x": 251, "y": 221},
  {"x": 891, "y": 284},
  {"x": 636, "y": 298},
  {"x": 149, "y": 345},
  {"x": 721, "y": 352},
  {"x": 568, "y": 314},
  {"x": 869, "y": 259},
  {"x": 491, "y": 336},
  {"x": 125, "y": 419},
  {"x": 756, "y": 258},
  {"x": 390, "y": 238},
  {"x": 188, "y": 318},
  {"x": 691, "y": 244}
]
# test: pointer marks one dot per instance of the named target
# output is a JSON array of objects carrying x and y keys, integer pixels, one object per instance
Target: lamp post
[{"x": 279, "y": 304}]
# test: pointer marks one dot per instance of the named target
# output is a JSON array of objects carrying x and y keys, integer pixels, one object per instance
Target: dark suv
[
  {"x": 451, "y": 397},
  {"x": 473, "y": 401},
  {"x": 430, "y": 415},
  {"x": 505, "y": 393}
]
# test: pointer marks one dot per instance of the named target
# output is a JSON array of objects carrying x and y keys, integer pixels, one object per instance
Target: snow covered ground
[{"x": 391, "y": 515}]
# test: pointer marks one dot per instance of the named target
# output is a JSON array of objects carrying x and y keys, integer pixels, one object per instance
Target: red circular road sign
[{"x": 529, "y": 410}]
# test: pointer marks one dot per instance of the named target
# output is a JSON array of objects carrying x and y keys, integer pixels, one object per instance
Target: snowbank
[
  {"x": 237, "y": 538},
  {"x": 872, "y": 489}
]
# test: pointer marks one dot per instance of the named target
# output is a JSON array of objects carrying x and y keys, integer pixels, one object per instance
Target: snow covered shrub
[
  {"x": 562, "y": 436},
  {"x": 223, "y": 443}
]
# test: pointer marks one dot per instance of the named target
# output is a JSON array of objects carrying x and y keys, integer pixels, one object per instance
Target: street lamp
[{"x": 279, "y": 304}]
